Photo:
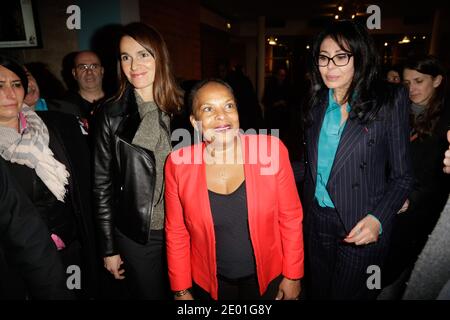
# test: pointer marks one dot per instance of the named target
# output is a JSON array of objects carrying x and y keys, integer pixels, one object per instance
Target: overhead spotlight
[
  {"x": 307, "y": 47},
  {"x": 340, "y": 8},
  {"x": 228, "y": 25},
  {"x": 336, "y": 17},
  {"x": 404, "y": 40},
  {"x": 353, "y": 16},
  {"x": 424, "y": 37},
  {"x": 272, "y": 41},
  {"x": 385, "y": 44}
]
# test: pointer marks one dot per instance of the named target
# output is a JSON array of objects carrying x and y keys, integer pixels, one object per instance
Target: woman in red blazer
[{"x": 233, "y": 215}]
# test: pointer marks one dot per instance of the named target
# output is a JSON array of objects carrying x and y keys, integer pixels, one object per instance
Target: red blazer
[{"x": 274, "y": 215}]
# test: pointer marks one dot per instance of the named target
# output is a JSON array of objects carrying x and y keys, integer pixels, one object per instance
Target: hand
[
  {"x": 112, "y": 264},
  {"x": 447, "y": 155},
  {"x": 289, "y": 289},
  {"x": 187, "y": 296},
  {"x": 366, "y": 231},
  {"x": 404, "y": 207}
]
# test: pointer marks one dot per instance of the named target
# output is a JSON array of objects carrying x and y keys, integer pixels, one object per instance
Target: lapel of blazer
[
  {"x": 249, "y": 172},
  {"x": 318, "y": 113},
  {"x": 202, "y": 187},
  {"x": 131, "y": 119},
  {"x": 352, "y": 132}
]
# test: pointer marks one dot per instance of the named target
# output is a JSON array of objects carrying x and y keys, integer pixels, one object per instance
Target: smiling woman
[
  {"x": 132, "y": 142},
  {"x": 43, "y": 154},
  {"x": 233, "y": 232},
  {"x": 12, "y": 93},
  {"x": 357, "y": 126}
]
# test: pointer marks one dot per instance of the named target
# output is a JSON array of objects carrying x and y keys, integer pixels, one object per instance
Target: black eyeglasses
[
  {"x": 85, "y": 67},
  {"x": 339, "y": 60}
]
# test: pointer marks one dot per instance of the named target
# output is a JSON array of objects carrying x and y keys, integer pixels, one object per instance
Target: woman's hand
[
  {"x": 447, "y": 155},
  {"x": 366, "y": 231},
  {"x": 187, "y": 296},
  {"x": 289, "y": 289},
  {"x": 404, "y": 207},
  {"x": 112, "y": 264}
]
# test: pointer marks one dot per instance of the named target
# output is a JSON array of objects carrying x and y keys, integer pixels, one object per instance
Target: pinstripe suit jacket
[{"x": 372, "y": 170}]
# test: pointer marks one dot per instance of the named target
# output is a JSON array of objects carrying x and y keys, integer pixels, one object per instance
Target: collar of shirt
[{"x": 332, "y": 104}]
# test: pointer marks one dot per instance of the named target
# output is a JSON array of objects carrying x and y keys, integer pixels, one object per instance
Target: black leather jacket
[{"x": 124, "y": 175}]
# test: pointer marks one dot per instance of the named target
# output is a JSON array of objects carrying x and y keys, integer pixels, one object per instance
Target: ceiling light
[
  {"x": 340, "y": 8},
  {"x": 336, "y": 17},
  {"x": 404, "y": 40}
]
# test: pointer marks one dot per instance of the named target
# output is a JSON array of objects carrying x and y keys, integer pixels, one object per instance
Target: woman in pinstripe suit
[{"x": 358, "y": 167}]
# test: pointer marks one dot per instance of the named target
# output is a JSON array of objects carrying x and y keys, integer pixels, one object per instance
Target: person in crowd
[
  {"x": 46, "y": 154},
  {"x": 393, "y": 74},
  {"x": 88, "y": 72},
  {"x": 429, "y": 117},
  {"x": 233, "y": 222},
  {"x": 250, "y": 113},
  {"x": 131, "y": 143},
  {"x": 430, "y": 278},
  {"x": 358, "y": 167},
  {"x": 50, "y": 87},
  {"x": 277, "y": 96},
  {"x": 35, "y": 100},
  {"x": 26, "y": 245}
]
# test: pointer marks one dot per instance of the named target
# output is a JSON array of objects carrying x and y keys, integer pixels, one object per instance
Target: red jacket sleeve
[
  {"x": 177, "y": 236},
  {"x": 290, "y": 218}
]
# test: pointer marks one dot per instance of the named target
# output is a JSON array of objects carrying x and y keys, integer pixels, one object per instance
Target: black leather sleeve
[{"x": 103, "y": 183}]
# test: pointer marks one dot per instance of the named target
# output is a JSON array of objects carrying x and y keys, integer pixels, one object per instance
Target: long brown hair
[
  {"x": 168, "y": 96},
  {"x": 429, "y": 65}
]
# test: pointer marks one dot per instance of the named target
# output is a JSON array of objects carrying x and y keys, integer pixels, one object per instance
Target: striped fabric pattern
[{"x": 30, "y": 148}]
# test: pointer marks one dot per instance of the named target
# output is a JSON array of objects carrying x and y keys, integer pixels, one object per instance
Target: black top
[{"x": 234, "y": 251}]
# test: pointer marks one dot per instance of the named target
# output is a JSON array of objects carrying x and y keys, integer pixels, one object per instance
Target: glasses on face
[
  {"x": 85, "y": 67},
  {"x": 339, "y": 60}
]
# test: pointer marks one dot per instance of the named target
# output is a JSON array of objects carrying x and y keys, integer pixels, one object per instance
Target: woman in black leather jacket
[{"x": 132, "y": 141}]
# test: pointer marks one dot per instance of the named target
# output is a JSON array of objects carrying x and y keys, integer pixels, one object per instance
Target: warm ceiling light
[
  {"x": 404, "y": 40},
  {"x": 340, "y": 8},
  {"x": 353, "y": 16},
  {"x": 272, "y": 41},
  {"x": 424, "y": 37},
  {"x": 385, "y": 44},
  {"x": 307, "y": 47},
  {"x": 336, "y": 17},
  {"x": 228, "y": 25}
]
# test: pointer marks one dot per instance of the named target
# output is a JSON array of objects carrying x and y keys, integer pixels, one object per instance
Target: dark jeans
[
  {"x": 146, "y": 274},
  {"x": 239, "y": 289}
]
